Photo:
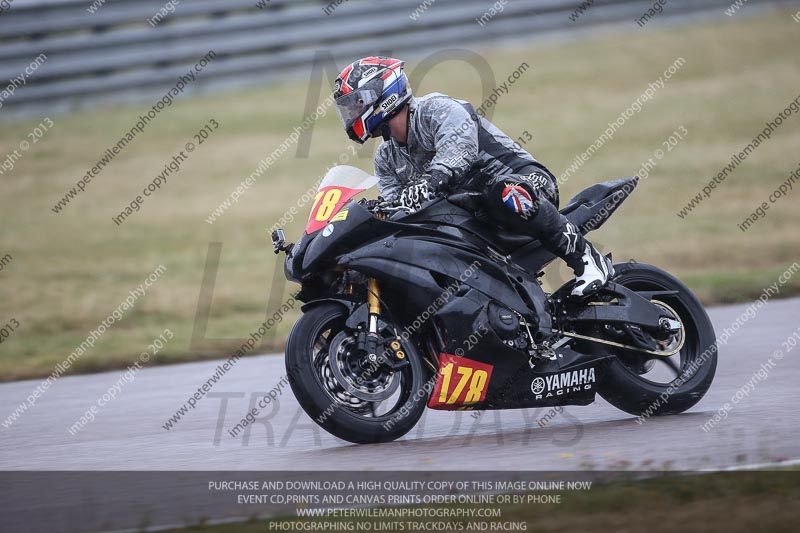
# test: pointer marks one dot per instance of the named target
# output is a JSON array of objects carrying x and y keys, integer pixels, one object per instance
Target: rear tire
[
  {"x": 333, "y": 415},
  {"x": 628, "y": 390}
]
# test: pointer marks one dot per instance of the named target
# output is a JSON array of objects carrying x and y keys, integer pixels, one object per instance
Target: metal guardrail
[{"x": 114, "y": 51}]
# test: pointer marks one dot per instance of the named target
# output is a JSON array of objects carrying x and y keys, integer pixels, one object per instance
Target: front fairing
[
  {"x": 336, "y": 191},
  {"x": 354, "y": 226},
  {"x": 292, "y": 266},
  {"x": 351, "y": 227}
]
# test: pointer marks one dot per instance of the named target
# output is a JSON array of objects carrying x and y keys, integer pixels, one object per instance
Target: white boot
[{"x": 595, "y": 272}]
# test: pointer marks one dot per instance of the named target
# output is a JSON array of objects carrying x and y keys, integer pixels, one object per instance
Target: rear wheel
[
  {"x": 355, "y": 398},
  {"x": 648, "y": 385}
]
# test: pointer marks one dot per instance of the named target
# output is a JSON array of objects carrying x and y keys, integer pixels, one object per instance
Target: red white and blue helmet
[{"x": 368, "y": 93}]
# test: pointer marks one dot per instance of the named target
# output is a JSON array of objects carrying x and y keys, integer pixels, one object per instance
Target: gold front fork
[{"x": 373, "y": 297}]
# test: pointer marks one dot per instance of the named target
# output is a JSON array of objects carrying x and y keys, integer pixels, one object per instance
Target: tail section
[{"x": 590, "y": 208}]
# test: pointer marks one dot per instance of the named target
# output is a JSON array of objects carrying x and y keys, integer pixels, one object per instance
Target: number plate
[
  {"x": 461, "y": 382},
  {"x": 328, "y": 202}
]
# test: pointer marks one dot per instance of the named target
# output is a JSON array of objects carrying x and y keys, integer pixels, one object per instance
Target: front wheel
[
  {"x": 350, "y": 396},
  {"x": 646, "y": 385}
]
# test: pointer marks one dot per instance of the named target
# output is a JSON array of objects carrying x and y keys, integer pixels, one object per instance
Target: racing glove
[
  {"x": 371, "y": 205},
  {"x": 414, "y": 195},
  {"x": 438, "y": 184}
]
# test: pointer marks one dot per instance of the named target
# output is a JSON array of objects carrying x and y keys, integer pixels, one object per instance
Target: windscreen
[{"x": 339, "y": 186}]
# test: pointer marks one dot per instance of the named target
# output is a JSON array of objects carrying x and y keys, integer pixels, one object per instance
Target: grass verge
[{"x": 70, "y": 270}]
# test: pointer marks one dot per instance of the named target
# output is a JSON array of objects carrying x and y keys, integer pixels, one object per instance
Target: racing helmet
[{"x": 368, "y": 93}]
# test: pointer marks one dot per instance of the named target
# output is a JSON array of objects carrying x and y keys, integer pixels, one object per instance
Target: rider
[{"x": 436, "y": 144}]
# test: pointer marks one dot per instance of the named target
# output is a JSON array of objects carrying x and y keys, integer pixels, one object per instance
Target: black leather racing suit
[{"x": 448, "y": 140}]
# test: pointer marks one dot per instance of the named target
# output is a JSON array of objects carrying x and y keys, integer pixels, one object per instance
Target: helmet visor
[{"x": 353, "y": 105}]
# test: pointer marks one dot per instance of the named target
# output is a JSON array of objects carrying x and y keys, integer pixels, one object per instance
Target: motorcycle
[{"x": 404, "y": 310}]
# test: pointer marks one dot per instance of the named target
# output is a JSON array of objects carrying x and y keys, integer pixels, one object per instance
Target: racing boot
[{"x": 592, "y": 271}]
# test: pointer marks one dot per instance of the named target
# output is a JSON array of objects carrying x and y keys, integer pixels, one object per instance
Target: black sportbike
[{"x": 403, "y": 310}]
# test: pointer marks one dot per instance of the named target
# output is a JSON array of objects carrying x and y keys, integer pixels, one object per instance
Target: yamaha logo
[{"x": 563, "y": 383}]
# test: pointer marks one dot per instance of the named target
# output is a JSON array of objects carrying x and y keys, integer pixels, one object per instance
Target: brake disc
[{"x": 357, "y": 380}]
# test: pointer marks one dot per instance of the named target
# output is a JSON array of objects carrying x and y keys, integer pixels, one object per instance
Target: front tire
[
  {"x": 334, "y": 408},
  {"x": 626, "y": 386}
]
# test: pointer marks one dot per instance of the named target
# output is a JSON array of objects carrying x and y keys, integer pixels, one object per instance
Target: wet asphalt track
[{"x": 128, "y": 434}]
